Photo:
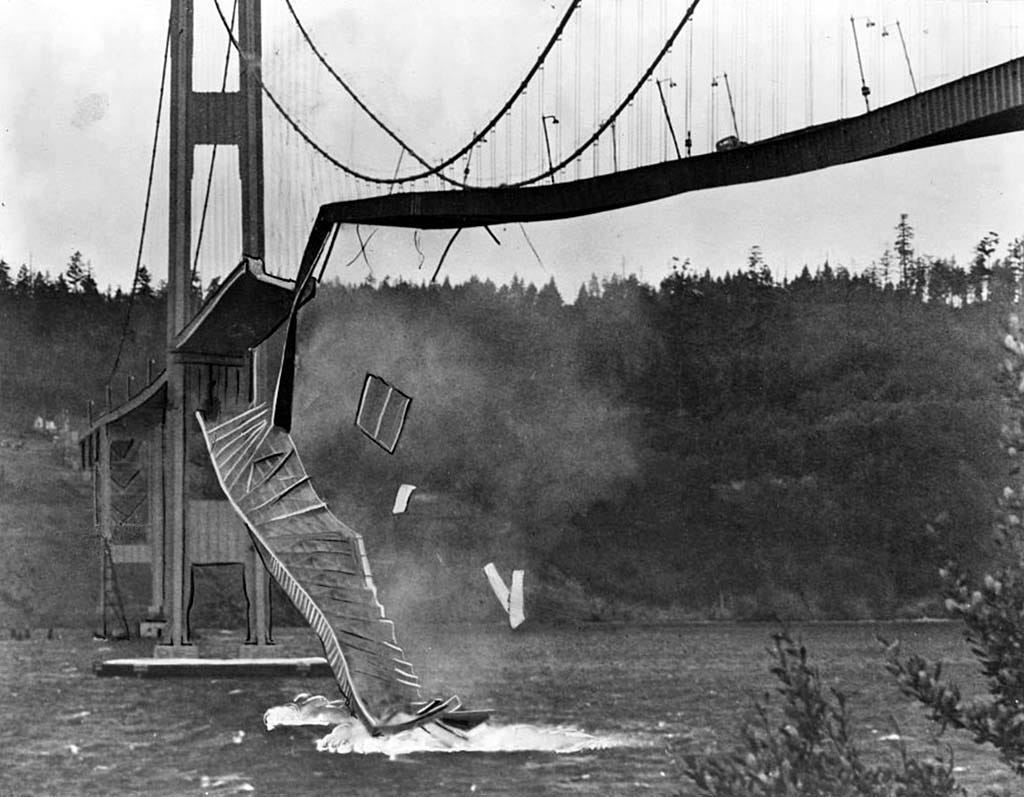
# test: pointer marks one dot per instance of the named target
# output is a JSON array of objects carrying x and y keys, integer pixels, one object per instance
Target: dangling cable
[
  {"x": 362, "y": 250},
  {"x": 398, "y": 166},
  {"x": 532, "y": 248},
  {"x": 149, "y": 193},
  {"x": 419, "y": 251},
  {"x": 444, "y": 254}
]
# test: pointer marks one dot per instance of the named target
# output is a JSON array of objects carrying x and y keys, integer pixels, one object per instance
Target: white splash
[
  {"x": 306, "y": 709},
  {"x": 349, "y": 735},
  {"x": 231, "y": 783}
]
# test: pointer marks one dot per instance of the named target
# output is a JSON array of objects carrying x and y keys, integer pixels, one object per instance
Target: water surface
[{"x": 595, "y": 709}]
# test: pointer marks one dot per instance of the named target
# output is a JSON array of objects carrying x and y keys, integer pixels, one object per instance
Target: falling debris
[
  {"x": 515, "y": 600},
  {"x": 382, "y": 411},
  {"x": 511, "y": 599},
  {"x": 402, "y": 498}
]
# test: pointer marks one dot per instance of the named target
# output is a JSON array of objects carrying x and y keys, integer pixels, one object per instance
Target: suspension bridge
[{"x": 590, "y": 125}]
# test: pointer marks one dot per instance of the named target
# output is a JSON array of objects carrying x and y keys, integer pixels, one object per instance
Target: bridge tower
[
  {"x": 158, "y": 501},
  {"x": 221, "y": 118}
]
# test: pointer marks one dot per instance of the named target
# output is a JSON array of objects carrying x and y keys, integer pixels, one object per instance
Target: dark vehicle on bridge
[{"x": 729, "y": 142}]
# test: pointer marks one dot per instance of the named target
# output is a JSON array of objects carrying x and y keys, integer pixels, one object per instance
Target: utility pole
[
  {"x": 865, "y": 92},
  {"x": 732, "y": 107},
  {"x": 668, "y": 119},
  {"x": 547, "y": 141}
]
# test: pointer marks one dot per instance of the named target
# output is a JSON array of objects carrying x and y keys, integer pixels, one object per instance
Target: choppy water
[{"x": 598, "y": 709}]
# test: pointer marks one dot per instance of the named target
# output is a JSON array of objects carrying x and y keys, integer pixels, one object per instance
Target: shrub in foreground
[
  {"x": 992, "y": 613},
  {"x": 992, "y": 616},
  {"x": 805, "y": 748}
]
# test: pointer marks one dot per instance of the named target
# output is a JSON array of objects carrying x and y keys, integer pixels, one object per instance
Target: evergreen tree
[
  {"x": 757, "y": 267},
  {"x": 885, "y": 268},
  {"x": 942, "y": 281},
  {"x": 804, "y": 279},
  {"x": 143, "y": 283},
  {"x": 76, "y": 272},
  {"x": 980, "y": 271},
  {"x": 5, "y": 276},
  {"x": 582, "y": 296},
  {"x": 549, "y": 300},
  {"x": 530, "y": 297},
  {"x": 23, "y": 283},
  {"x": 1015, "y": 263},
  {"x": 919, "y": 277},
  {"x": 904, "y": 246},
  {"x": 88, "y": 283},
  {"x": 41, "y": 284}
]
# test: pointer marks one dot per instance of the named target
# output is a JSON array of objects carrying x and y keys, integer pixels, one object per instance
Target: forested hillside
[{"x": 732, "y": 445}]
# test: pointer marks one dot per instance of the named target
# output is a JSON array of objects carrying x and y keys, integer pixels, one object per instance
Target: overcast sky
[{"x": 78, "y": 99}]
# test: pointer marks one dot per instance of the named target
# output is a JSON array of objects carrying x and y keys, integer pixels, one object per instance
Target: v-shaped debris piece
[{"x": 511, "y": 599}]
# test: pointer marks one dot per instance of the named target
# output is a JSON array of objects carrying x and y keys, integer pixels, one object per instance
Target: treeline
[
  {"x": 816, "y": 448},
  {"x": 734, "y": 444},
  {"x": 61, "y": 336}
]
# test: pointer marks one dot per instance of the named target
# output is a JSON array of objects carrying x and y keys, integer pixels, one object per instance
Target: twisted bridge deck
[
  {"x": 986, "y": 103},
  {"x": 321, "y": 564}
]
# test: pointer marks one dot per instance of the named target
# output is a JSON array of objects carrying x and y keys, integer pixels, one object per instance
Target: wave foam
[{"x": 349, "y": 735}]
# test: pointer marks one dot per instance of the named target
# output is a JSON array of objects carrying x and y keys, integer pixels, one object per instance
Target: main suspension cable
[
  {"x": 543, "y": 174},
  {"x": 478, "y": 137}
]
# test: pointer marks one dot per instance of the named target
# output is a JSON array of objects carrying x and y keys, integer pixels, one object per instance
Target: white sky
[{"x": 79, "y": 80}]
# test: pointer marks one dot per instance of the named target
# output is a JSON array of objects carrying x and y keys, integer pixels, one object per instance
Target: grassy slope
[{"x": 49, "y": 571}]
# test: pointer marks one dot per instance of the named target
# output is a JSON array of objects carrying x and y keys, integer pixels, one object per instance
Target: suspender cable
[
  {"x": 662, "y": 24},
  {"x": 689, "y": 94},
  {"x": 213, "y": 155},
  {"x": 562, "y": 103},
  {"x": 713, "y": 95},
  {"x": 625, "y": 100},
  {"x": 149, "y": 194},
  {"x": 638, "y": 157},
  {"x": 596, "y": 111},
  {"x": 618, "y": 66},
  {"x": 808, "y": 67},
  {"x": 578, "y": 115}
]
